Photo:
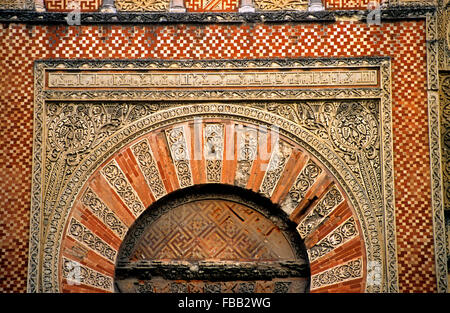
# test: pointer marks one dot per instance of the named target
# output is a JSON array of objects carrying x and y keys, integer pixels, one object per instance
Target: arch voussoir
[{"x": 183, "y": 147}]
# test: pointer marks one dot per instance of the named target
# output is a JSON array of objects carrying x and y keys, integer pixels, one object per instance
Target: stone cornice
[{"x": 33, "y": 17}]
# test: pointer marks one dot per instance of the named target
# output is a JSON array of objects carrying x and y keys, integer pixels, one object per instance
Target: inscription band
[{"x": 215, "y": 79}]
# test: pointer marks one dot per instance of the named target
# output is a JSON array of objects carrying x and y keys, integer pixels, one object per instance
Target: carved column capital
[
  {"x": 39, "y": 5},
  {"x": 246, "y": 6},
  {"x": 315, "y": 5},
  {"x": 108, "y": 7}
]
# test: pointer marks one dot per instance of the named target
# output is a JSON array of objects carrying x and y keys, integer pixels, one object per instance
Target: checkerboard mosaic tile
[{"x": 404, "y": 42}]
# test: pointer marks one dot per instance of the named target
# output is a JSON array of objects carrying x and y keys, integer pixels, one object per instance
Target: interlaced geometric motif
[
  {"x": 274, "y": 286},
  {"x": 275, "y": 168},
  {"x": 247, "y": 142},
  {"x": 148, "y": 166},
  {"x": 16, "y": 4},
  {"x": 142, "y": 5},
  {"x": 180, "y": 154},
  {"x": 445, "y": 135},
  {"x": 213, "y": 151},
  {"x": 212, "y": 229},
  {"x": 338, "y": 274},
  {"x": 303, "y": 182},
  {"x": 211, "y": 5},
  {"x": 348, "y": 4},
  {"x": 323, "y": 208},
  {"x": 273, "y": 5},
  {"x": 65, "y": 5}
]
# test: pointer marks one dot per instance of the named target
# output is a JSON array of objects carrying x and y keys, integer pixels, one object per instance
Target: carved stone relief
[
  {"x": 83, "y": 235},
  {"x": 77, "y": 273},
  {"x": 351, "y": 127},
  {"x": 277, "y": 162},
  {"x": 146, "y": 161},
  {"x": 74, "y": 129},
  {"x": 82, "y": 134},
  {"x": 117, "y": 180},
  {"x": 142, "y": 5},
  {"x": 275, "y": 5},
  {"x": 341, "y": 273},
  {"x": 16, "y": 4},
  {"x": 247, "y": 151},
  {"x": 337, "y": 237},
  {"x": 105, "y": 214},
  {"x": 320, "y": 211},
  {"x": 214, "y": 79},
  {"x": 445, "y": 135},
  {"x": 302, "y": 183},
  {"x": 214, "y": 136},
  {"x": 180, "y": 155},
  {"x": 437, "y": 56}
]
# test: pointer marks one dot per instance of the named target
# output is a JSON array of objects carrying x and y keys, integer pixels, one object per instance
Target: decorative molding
[
  {"x": 212, "y": 79},
  {"x": 432, "y": 52},
  {"x": 86, "y": 18},
  {"x": 76, "y": 273},
  {"x": 142, "y": 5},
  {"x": 102, "y": 212},
  {"x": 180, "y": 155},
  {"x": 297, "y": 285},
  {"x": 439, "y": 158},
  {"x": 275, "y": 5},
  {"x": 120, "y": 184},
  {"x": 278, "y": 160},
  {"x": 146, "y": 161},
  {"x": 247, "y": 143},
  {"x": 437, "y": 199},
  {"x": 302, "y": 183},
  {"x": 336, "y": 238},
  {"x": 214, "y": 270},
  {"x": 319, "y": 212},
  {"x": 341, "y": 273},
  {"x": 387, "y": 161},
  {"x": 17, "y": 4},
  {"x": 213, "y": 95},
  {"x": 213, "y": 149},
  {"x": 444, "y": 101},
  {"x": 130, "y": 126},
  {"x": 81, "y": 234},
  {"x": 437, "y": 193},
  {"x": 443, "y": 33}
]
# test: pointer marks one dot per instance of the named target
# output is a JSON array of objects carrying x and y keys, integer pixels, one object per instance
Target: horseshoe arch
[{"x": 168, "y": 151}]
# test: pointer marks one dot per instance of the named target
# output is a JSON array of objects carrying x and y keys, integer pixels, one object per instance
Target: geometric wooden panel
[
  {"x": 205, "y": 240},
  {"x": 212, "y": 229}
]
